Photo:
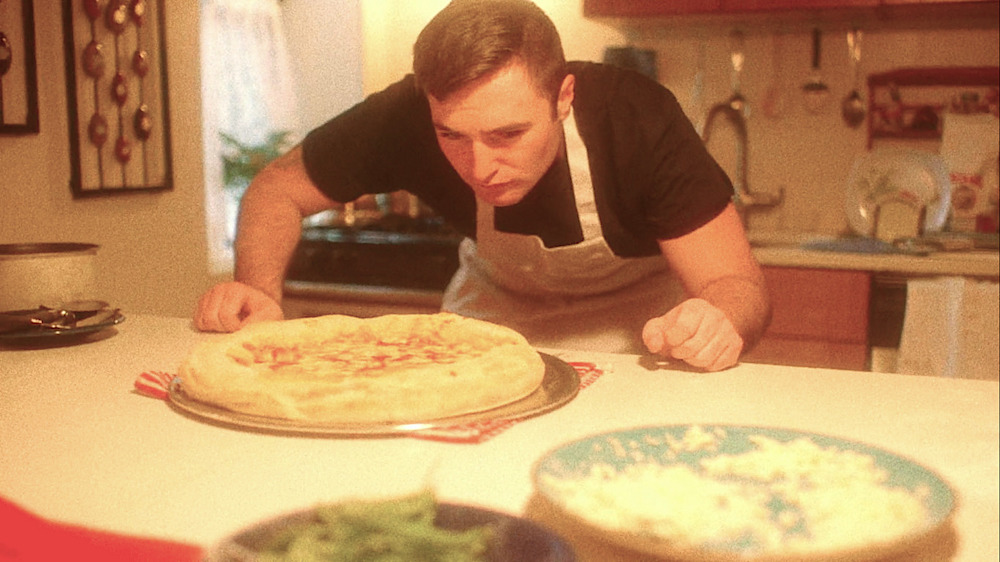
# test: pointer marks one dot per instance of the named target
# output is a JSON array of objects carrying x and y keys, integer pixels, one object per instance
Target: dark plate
[
  {"x": 51, "y": 334},
  {"x": 516, "y": 538},
  {"x": 560, "y": 385}
]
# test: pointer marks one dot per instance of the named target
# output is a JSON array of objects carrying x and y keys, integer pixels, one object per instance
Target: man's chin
[{"x": 502, "y": 198}]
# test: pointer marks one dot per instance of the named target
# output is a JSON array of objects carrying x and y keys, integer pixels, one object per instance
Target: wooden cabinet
[
  {"x": 886, "y": 8},
  {"x": 733, "y": 6},
  {"x": 820, "y": 319},
  {"x": 649, "y": 8}
]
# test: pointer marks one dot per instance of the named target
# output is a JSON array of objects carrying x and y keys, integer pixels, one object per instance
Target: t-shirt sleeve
[
  {"x": 387, "y": 143},
  {"x": 654, "y": 178},
  {"x": 376, "y": 146},
  {"x": 688, "y": 187}
]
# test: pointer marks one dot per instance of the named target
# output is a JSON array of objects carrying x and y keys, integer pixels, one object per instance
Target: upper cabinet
[
  {"x": 887, "y": 8},
  {"x": 649, "y": 8},
  {"x": 738, "y": 6}
]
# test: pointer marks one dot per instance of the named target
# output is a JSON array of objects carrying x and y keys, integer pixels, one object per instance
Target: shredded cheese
[{"x": 792, "y": 497}]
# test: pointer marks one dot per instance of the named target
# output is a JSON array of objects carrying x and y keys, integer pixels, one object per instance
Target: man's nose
[{"x": 484, "y": 162}]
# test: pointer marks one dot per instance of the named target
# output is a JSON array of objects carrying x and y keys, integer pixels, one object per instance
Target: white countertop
[
  {"x": 978, "y": 263},
  {"x": 77, "y": 444},
  {"x": 786, "y": 249}
]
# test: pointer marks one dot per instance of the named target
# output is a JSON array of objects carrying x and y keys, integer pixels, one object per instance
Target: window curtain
[{"x": 247, "y": 93}]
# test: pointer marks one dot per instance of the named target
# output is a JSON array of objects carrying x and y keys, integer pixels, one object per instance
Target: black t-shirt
[{"x": 653, "y": 178}]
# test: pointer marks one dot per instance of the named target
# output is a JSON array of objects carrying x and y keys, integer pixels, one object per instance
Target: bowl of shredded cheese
[{"x": 721, "y": 492}]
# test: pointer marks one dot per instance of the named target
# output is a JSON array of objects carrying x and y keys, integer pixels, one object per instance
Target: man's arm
[
  {"x": 269, "y": 228},
  {"x": 270, "y": 223},
  {"x": 729, "y": 309}
]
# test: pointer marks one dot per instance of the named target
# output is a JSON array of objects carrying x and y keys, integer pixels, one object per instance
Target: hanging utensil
[
  {"x": 853, "y": 107},
  {"x": 698, "y": 88},
  {"x": 815, "y": 92},
  {"x": 737, "y": 58},
  {"x": 6, "y": 54},
  {"x": 6, "y": 60},
  {"x": 775, "y": 100}
]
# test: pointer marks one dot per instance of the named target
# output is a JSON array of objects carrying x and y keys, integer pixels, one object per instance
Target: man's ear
[{"x": 565, "y": 100}]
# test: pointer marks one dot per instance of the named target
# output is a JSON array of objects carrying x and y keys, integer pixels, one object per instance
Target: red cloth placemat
[
  {"x": 26, "y": 537},
  {"x": 155, "y": 384}
]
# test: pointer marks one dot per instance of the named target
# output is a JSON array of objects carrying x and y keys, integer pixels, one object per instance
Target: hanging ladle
[
  {"x": 853, "y": 107},
  {"x": 6, "y": 60},
  {"x": 6, "y": 54},
  {"x": 815, "y": 91}
]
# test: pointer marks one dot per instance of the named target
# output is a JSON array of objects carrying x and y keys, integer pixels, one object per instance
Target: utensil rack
[{"x": 909, "y": 103}]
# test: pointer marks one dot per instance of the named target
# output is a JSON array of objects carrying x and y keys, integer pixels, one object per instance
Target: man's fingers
[
  {"x": 697, "y": 333},
  {"x": 226, "y": 307}
]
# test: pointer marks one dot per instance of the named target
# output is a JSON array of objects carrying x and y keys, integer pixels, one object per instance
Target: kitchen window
[{"x": 248, "y": 94}]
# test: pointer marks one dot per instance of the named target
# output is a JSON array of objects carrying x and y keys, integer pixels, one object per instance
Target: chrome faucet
[{"x": 733, "y": 111}]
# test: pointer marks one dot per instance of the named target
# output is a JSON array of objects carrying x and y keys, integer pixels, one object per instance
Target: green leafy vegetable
[{"x": 398, "y": 530}]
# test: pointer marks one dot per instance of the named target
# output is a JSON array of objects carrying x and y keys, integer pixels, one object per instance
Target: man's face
[{"x": 500, "y": 134}]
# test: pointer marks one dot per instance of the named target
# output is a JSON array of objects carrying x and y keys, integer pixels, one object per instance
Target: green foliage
[
  {"x": 241, "y": 162},
  {"x": 398, "y": 530}
]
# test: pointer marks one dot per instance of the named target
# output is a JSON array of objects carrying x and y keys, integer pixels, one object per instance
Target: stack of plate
[{"x": 895, "y": 193}]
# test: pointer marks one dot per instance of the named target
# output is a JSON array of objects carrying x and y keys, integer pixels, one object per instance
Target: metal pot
[{"x": 32, "y": 275}]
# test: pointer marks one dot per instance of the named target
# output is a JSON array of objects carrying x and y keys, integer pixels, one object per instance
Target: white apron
[{"x": 577, "y": 297}]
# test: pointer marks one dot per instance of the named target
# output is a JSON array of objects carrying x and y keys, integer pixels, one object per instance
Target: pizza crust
[{"x": 397, "y": 368}]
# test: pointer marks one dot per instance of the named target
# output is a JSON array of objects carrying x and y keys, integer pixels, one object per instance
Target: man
[{"x": 576, "y": 184}]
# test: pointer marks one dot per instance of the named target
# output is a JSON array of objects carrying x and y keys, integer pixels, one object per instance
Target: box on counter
[{"x": 969, "y": 146}]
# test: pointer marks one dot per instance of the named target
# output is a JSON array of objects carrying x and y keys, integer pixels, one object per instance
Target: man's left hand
[{"x": 697, "y": 333}]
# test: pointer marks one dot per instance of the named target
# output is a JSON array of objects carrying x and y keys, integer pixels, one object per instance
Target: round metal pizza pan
[{"x": 560, "y": 384}]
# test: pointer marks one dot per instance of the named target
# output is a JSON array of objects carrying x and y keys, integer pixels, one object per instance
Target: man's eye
[
  {"x": 449, "y": 135},
  {"x": 511, "y": 135},
  {"x": 505, "y": 137}
]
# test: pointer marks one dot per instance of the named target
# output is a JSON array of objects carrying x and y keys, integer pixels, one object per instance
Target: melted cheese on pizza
[
  {"x": 357, "y": 355},
  {"x": 341, "y": 369}
]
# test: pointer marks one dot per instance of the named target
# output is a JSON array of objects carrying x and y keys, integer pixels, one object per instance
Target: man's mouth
[{"x": 498, "y": 186}]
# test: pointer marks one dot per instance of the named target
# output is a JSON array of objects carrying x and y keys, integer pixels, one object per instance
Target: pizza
[{"x": 342, "y": 369}]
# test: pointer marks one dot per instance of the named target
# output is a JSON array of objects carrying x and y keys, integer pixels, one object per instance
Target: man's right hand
[{"x": 227, "y": 307}]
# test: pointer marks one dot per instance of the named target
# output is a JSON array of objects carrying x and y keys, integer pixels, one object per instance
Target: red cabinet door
[{"x": 820, "y": 319}]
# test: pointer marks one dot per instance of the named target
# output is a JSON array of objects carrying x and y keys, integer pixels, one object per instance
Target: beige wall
[
  {"x": 391, "y": 26},
  {"x": 324, "y": 40},
  {"x": 810, "y": 155},
  {"x": 153, "y": 250}
]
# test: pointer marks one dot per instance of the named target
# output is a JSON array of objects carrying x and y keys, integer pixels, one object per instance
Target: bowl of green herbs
[{"x": 414, "y": 528}]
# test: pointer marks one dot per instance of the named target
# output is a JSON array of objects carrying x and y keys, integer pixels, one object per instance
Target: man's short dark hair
[{"x": 472, "y": 39}]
